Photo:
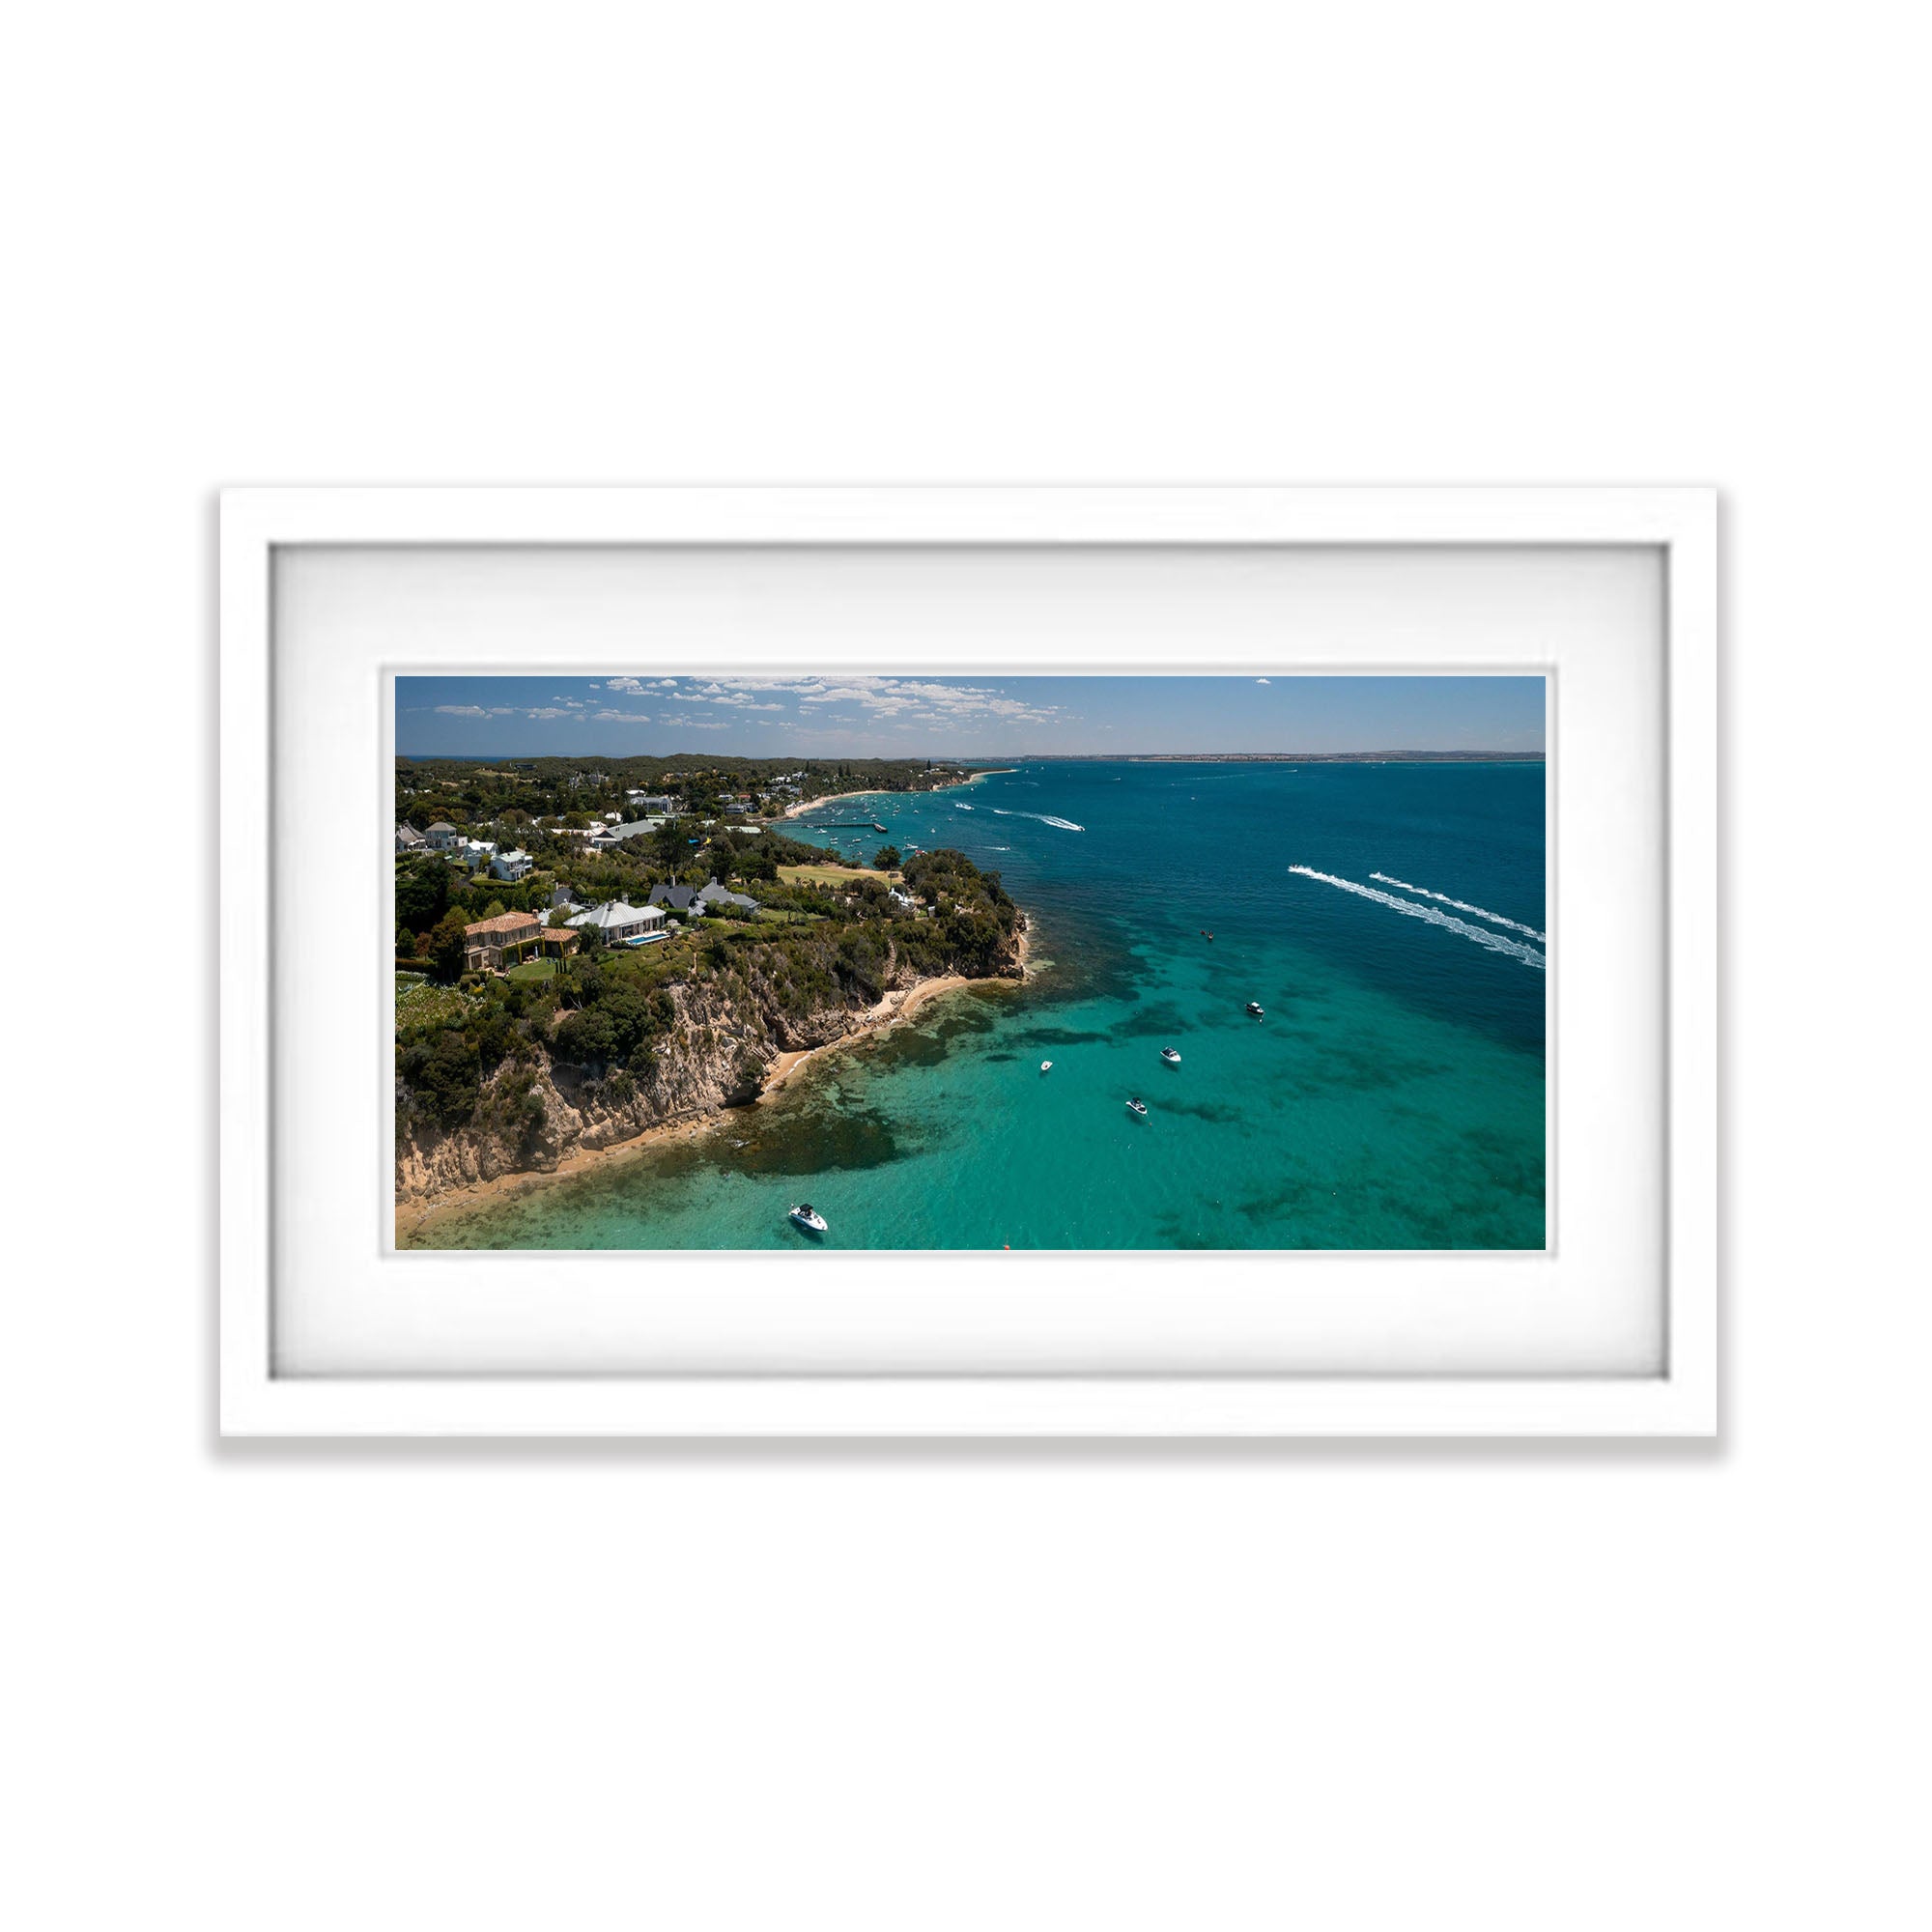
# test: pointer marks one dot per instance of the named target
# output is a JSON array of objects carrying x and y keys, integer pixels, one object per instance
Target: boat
[
  {"x": 807, "y": 1216},
  {"x": 1046, "y": 1067},
  {"x": 1255, "y": 1008},
  {"x": 1137, "y": 1109},
  {"x": 1168, "y": 1054}
]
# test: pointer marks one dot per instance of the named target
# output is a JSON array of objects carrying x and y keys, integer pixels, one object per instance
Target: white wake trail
[
  {"x": 1045, "y": 817},
  {"x": 1463, "y": 905},
  {"x": 1494, "y": 941}
]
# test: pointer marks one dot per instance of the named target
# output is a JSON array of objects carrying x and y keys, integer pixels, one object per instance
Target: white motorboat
[
  {"x": 807, "y": 1216},
  {"x": 1137, "y": 1109},
  {"x": 1255, "y": 1008},
  {"x": 1168, "y": 1054},
  {"x": 1046, "y": 1067}
]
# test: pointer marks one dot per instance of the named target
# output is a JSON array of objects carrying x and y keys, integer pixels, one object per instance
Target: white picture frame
[{"x": 1676, "y": 1397}]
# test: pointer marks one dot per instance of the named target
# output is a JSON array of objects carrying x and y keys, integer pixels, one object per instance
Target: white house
[
  {"x": 475, "y": 852},
  {"x": 442, "y": 836},
  {"x": 512, "y": 865},
  {"x": 623, "y": 925},
  {"x": 408, "y": 839}
]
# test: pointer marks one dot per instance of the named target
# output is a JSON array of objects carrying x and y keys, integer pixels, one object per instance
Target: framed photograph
[{"x": 931, "y": 962}]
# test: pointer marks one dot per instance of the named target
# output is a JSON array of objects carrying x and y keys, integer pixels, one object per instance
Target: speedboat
[
  {"x": 1046, "y": 1067},
  {"x": 1137, "y": 1109},
  {"x": 1255, "y": 1008},
  {"x": 1168, "y": 1054},
  {"x": 807, "y": 1216}
]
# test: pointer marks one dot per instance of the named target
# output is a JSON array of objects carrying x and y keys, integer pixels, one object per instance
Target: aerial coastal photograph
[{"x": 773, "y": 961}]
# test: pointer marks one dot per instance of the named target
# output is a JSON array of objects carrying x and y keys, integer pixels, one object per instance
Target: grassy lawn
[
  {"x": 533, "y": 969},
  {"x": 831, "y": 875}
]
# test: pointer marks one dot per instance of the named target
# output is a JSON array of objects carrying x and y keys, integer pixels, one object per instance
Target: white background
[{"x": 1508, "y": 1688}]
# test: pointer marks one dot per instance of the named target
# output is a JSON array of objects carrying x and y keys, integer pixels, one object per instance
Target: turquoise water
[{"x": 1391, "y": 1097}]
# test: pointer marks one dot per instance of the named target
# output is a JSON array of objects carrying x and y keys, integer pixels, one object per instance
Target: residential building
[
  {"x": 673, "y": 898},
  {"x": 442, "y": 836},
  {"x": 651, "y": 801},
  {"x": 512, "y": 865},
  {"x": 622, "y": 924},
  {"x": 475, "y": 852},
  {"x": 410, "y": 840},
  {"x": 491, "y": 944},
  {"x": 716, "y": 897}
]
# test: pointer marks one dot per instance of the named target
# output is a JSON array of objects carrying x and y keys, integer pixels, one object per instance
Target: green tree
[
  {"x": 446, "y": 1075},
  {"x": 446, "y": 946},
  {"x": 422, "y": 893},
  {"x": 887, "y": 858}
]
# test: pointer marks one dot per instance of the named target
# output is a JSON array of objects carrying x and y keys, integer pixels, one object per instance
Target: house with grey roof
[
  {"x": 442, "y": 836},
  {"x": 410, "y": 840},
  {"x": 715, "y": 897},
  {"x": 512, "y": 865},
  {"x": 623, "y": 925}
]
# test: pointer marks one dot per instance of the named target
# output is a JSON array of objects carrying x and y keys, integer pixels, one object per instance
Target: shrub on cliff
[{"x": 445, "y": 1077}]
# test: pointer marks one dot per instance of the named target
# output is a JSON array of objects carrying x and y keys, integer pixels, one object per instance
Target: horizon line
[{"x": 985, "y": 758}]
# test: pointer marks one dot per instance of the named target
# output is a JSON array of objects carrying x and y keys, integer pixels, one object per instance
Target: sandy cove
[
  {"x": 840, "y": 797},
  {"x": 831, "y": 798},
  {"x": 889, "y": 1011}
]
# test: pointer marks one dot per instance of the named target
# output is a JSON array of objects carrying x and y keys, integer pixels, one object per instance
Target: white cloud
[
  {"x": 887, "y": 696},
  {"x": 463, "y": 711},
  {"x": 549, "y": 711},
  {"x": 1263, "y": 680},
  {"x": 621, "y": 717},
  {"x": 634, "y": 686}
]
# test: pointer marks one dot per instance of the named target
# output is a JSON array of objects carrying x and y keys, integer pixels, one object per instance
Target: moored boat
[
  {"x": 804, "y": 1215},
  {"x": 1137, "y": 1107},
  {"x": 1255, "y": 1008},
  {"x": 1168, "y": 1054}
]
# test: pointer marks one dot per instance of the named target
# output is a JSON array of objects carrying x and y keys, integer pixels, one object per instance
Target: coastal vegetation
[{"x": 505, "y": 1070}]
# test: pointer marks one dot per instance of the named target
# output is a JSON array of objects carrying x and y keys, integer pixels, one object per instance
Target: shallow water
[{"x": 1391, "y": 1097}]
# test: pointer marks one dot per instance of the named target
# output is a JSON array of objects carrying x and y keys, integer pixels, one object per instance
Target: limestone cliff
[{"x": 536, "y": 1111}]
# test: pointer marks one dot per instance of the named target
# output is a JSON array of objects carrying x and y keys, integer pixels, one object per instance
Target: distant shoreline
[{"x": 840, "y": 797}]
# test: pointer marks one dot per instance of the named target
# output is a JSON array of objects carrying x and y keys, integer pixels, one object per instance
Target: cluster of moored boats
[{"x": 803, "y": 1214}]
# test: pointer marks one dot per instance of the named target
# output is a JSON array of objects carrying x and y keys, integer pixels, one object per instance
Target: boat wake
[
  {"x": 1463, "y": 905},
  {"x": 1494, "y": 941},
  {"x": 1045, "y": 817}
]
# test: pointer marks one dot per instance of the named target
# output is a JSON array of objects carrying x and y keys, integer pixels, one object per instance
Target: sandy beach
[
  {"x": 840, "y": 797},
  {"x": 831, "y": 798}
]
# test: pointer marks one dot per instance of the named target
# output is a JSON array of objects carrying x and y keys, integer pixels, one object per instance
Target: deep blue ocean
[{"x": 1392, "y": 1097}]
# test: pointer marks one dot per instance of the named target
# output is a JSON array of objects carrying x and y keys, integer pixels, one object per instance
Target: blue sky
[{"x": 871, "y": 716}]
